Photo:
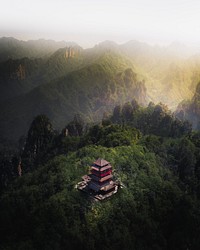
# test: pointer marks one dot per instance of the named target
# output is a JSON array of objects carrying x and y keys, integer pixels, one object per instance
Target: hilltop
[{"x": 157, "y": 208}]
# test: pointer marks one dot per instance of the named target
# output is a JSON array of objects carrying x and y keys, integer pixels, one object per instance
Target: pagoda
[
  {"x": 101, "y": 176},
  {"x": 99, "y": 183}
]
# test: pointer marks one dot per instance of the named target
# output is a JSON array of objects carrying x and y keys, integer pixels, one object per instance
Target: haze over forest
[
  {"x": 61, "y": 79},
  {"x": 109, "y": 79},
  {"x": 157, "y": 41},
  {"x": 90, "y": 22}
]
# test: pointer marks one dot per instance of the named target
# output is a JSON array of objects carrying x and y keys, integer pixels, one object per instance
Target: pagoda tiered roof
[
  {"x": 101, "y": 179},
  {"x": 101, "y": 162},
  {"x": 101, "y": 169}
]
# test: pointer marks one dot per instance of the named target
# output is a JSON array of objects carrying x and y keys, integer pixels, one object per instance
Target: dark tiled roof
[
  {"x": 94, "y": 187},
  {"x": 99, "y": 179}
]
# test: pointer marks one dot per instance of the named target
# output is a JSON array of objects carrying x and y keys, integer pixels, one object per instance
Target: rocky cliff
[
  {"x": 191, "y": 109},
  {"x": 72, "y": 52}
]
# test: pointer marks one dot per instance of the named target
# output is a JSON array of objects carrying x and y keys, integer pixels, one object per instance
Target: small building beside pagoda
[{"x": 99, "y": 183}]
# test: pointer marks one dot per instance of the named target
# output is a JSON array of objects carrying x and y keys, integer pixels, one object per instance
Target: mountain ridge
[
  {"x": 91, "y": 90},
  {"x": 11, "y": 48},
  {"x": 26, "y": 84}
]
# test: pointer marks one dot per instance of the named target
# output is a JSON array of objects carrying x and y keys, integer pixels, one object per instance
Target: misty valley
[{"x": 62, "y": 107}]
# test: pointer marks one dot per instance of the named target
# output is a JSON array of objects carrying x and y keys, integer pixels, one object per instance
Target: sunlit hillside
[{"x": 62, "y": 82}]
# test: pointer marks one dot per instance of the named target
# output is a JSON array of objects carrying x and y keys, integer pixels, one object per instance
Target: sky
[{"x": 88, "y": 22}]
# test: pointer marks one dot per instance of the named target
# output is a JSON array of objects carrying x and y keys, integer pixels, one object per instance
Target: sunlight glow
[{"x": 90, "y": 21}]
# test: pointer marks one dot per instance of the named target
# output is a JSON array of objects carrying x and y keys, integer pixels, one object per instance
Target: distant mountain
[
  {"x": 172, "y": 72},
  {"x": 62, "y": 79},
  {"x": 11, "y": 48},
  {"x": 18, "y": 76},
  {"x": 190, "y": 109},
  {"x": 180, "y": 49},
  {"x": 91, "y": 91}
]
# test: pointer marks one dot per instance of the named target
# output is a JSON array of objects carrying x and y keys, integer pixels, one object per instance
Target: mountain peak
[
  {"x": 11, "y": 48},
  {"x": 110, "y": 45}
]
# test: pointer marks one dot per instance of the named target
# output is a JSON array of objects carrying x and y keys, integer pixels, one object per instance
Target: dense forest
[
  {"x": 60, "y": 79},
  {"x": 155, "y": 156}
]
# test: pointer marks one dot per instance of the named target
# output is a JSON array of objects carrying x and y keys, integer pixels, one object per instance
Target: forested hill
[
  {"x": 11, "y": 48},
  {"x": 158, "y": 208},
  {"x": 90, "y": 90},
  {"x": 60, "y": 79}
]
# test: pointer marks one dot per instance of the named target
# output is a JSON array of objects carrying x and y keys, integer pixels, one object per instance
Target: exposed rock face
[
  {"x": 72, "y": 52},
  {"x": 65, "y": 132},
  {"x": 196, "y": 101},
  {"x": 126, "y": 88},
  {"x": 190, "y": 110},
  {"x": 21, "y": 73},
  {"x": 136, "y": 89},
  {"x": 40, "y": 135},
  {"x": 18, "y": 73},
  {"x": 141, "y": 93},
  {"x": 19, "y": 168}
]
